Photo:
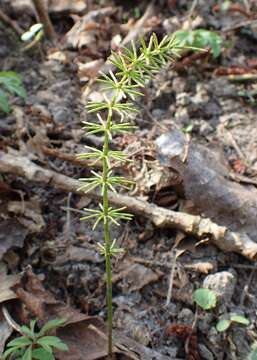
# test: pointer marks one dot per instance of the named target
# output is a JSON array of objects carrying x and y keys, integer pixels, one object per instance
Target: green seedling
[
  {"x": 35, "y": 344},
  {"x": 205, "y": 298},
  {"x": 33, "y": 36},
  {"x": 200, "y": 39},
  {"x": 10, "y": 84},
  {"x": 134, "y": 67},
  {"x": 253, "y": 353},
  {"x": 224, "y": 324}
]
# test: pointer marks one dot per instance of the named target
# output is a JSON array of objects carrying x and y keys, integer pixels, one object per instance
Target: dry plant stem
[
  {"x": 222, "y": 237},
  {"x": 8, "y": 21},
  {"x": 44, "y": 18},
  {"x": 10, "y": 320}
]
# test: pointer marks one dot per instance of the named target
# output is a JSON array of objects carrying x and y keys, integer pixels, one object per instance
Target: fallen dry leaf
[
  {"x": 89, "y": 70},
  {"x": 84, "y": 32},
  {"x": 206, "y": 182},
  {"x": 30, "y": 214},
  {"x": 12, "y": 234},
  {"x": 135, "y": 276},
  {"x": 83, "y": 342},
  {"x": 41, "y": 302},
  {"x": 6, "y": 283}
]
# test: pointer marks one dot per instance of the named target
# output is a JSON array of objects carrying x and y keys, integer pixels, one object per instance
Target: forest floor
[{"x": 41, "y": 234}]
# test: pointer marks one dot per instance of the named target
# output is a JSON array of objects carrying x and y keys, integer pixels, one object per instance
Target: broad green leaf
[
  {"x": 239, "y": 319},
  {"x": 223, "y": 325},
  {"x": 20, "y": 341},
  {"x": 42, "y": 354},
  {"x": 28, "y": 354},
  {"x": 50, "y": 325},
  {"x": 12, "y": 82},
  {"x": 52, "y": 341},
  {"x": 4, "y": 104},
  {"x": 12, "y": 350},
  {"x": 253, "y": 354},
  {"x": 205, "y": 298}
]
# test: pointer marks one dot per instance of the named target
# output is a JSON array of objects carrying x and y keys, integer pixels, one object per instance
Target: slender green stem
[
  {"x": 134, "y": 69},
  {"x": 107, "y": 237}
]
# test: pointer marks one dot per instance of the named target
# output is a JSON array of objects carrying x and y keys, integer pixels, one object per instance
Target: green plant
[
  {"x": 224, "y": 324},
  {"x": 253, "y": 354},
  {"x": 200, "y": 39},
  {"x": 35, "y": 345},
  {"x": 205, "y": 298},
  {"x": 10, "y": 83},
  {"x": 134, "y": 68},
  {"x": 33, "y": 35}
]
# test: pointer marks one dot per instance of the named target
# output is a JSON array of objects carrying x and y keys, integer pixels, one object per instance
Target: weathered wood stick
[{"x": 222, "y": 237}]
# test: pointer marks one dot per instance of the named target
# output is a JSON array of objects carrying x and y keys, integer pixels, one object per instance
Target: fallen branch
[{"x": 196, "y": 225}]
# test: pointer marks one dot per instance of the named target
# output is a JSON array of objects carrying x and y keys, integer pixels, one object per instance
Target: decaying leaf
[
  {"x": 6, "y": 283},
  {"x": 135, "y": 276},
  {"x": 31, "y": 217},
  {"x": 89, "y": 70},
  {"x": 85, "y": 30},
  {"x": 12, "y": 234},
  {"x": 206, "y": 183},
  {"x": 41, "y": 303}
]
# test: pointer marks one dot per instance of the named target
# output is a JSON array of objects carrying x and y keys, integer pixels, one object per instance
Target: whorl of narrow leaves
[{"x": 134, "y": 68}]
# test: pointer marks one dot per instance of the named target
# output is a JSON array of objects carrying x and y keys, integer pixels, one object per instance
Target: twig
[
  {"x": 252, "y": 22},
  {"x": 68, "y": 218},
  {"x": 193, "y": 328},
  {"x": 139, "y": 25},
  {"x": 44, "y": 18},
  {"x": 196, "y": 225},
  {"x": 235, "y": 146},
  {"x": 10, "y": 320},
  {"x": 13, "y": 24},
  {"x": 172, "y": 274},
  {"x": 246, "y": 288},
  {"x": 242, "y": 78}
]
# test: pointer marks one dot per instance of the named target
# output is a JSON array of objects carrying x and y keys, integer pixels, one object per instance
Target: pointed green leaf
[{"x": 42, "y": 354}]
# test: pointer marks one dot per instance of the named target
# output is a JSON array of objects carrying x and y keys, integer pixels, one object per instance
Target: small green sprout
[
  {"x": 33, "y": 35},
  {"x": 205, "y": 298},
  {"x": 35, "y": 345},
  {"x": 224, "y": 324},
  {"x": 10, "y": 83},
  {"x": 200, "y": 39},
  {"x": 253, "y": 354}
]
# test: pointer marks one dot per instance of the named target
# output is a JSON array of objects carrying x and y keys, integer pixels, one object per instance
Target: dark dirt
[{"x": 63, "y": 250}]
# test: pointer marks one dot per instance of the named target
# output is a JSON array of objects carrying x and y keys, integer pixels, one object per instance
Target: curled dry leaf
[
  {"x": 6, "y": 283},
  {"x": 30, "y": 214},
  {"x": 41, "y": 303},
  {"x": 206, "y": 183},
  {"x": 89, "y": 70},
  {"x": 12, "y": 234},
  {"x": 84, "y": 32}
]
